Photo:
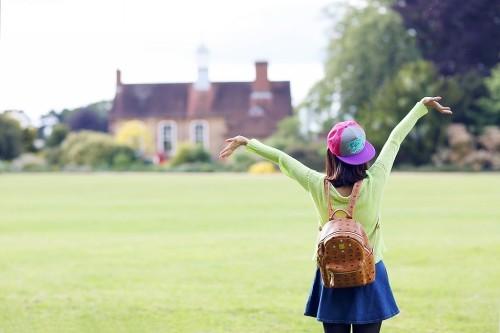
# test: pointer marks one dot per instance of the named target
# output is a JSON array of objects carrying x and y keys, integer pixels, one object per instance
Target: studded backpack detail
[{"x": 344, "y": 255}]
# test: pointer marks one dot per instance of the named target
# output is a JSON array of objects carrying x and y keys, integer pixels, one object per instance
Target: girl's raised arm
[
  {"x": 287, "y": 164},
  {"x": 383, "y": 164}
]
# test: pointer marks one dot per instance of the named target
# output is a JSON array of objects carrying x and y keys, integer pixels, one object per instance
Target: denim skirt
[{"x": 371, "y": 303}]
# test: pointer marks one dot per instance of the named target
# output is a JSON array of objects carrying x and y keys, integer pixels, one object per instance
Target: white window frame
[
  {"x": 159, "y": 136},
  {"x": 256, "y": 111},
  {"x": 192, "y": 131}
]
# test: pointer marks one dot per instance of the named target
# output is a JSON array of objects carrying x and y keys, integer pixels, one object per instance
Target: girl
[{"x": 347, "y": 158}]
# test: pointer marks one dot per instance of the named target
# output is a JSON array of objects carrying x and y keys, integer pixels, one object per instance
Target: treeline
[
  {"x": 78, "y": 140},
  {"x": 65, "y": 139},
  {"x": 384, "y": 57}
]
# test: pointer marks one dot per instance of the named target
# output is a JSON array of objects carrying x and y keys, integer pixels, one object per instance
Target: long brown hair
[{"x": 342, "y": 174}]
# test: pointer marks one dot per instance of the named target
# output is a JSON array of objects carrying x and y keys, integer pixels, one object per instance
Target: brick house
[{"x": 202, "y": 112}]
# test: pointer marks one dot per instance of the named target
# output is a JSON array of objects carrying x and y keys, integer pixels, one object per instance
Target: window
[
  {"x": 167, "y": 137},
  {"x": 199, "y": 132},
  {"x": 256, "y": 111}
]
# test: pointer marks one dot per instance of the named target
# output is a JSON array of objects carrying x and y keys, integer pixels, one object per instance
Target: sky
[{"x": 57, "y": 54}]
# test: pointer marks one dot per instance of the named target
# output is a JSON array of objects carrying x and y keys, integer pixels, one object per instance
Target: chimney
[
  {"x": 261, "y": 85},
  {"x": 118, "y": 77}
]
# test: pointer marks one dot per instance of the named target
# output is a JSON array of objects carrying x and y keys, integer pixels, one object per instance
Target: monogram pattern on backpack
[{"x": 344, "y": 255}]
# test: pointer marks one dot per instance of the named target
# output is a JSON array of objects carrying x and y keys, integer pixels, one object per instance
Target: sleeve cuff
[
  {"x": 420, "y": 109},
  {"x": 253, "y": 144}
]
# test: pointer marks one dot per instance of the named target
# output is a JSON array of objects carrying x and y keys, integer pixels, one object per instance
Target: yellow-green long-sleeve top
[{"x": 368, "y": 205}]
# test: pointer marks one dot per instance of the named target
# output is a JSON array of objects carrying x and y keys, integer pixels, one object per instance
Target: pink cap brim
[{"x": 363, "y": 156}]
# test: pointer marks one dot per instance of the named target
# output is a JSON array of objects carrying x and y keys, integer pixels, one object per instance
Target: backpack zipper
[{"x": 349, "y": 232}]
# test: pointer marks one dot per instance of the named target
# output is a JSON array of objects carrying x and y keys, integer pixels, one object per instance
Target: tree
[
  {"x": 57, "y": 136},
  {"x": 288, "y": 137},
  {"x": 470, "y": 87},
  {"x": 29, "y": 137},
  {"x": 367, "y": 47},
  {"x": 458, "y": 36},
  {"x": 287, "y": 132},
  {"x": 491, "y": 102},
  {"x": 92, "y": 117},
  {"x": 395, "y": 99},
  {"x": 11, "y": 138},
  {"x": 87, "y": 118}
]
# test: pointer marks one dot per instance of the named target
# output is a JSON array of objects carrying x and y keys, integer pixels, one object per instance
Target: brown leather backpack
[{"x": 345, "y": 257}]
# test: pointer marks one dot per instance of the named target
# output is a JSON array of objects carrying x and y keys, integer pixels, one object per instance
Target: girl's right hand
[
  {"x": 234, "y": 143},
  {"x": 432, "y": 102}
]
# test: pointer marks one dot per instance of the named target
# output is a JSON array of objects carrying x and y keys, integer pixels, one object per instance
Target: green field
[{"x": 231, "y": 253}]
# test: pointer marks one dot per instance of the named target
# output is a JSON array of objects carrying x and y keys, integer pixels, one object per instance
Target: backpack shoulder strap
[
  {"x": 354, "y": 196},
  {"x": 327, "y": 196}
]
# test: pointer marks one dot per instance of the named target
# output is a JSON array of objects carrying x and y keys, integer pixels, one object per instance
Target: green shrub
[
  {"x": 241, "y": 160},
  {"x": 96, "y": 150},
  {"x": 122, "y": 161},
  {"x": 29, "y": 162},
  {"x": 57, "y": 136},
  {"x": 4, "y": 166},
  {"x": 53, "y": 156},
  {"x": 189, "y": 153}
]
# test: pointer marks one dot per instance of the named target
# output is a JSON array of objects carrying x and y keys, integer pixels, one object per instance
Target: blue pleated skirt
[{"x": 357, "y": 305}]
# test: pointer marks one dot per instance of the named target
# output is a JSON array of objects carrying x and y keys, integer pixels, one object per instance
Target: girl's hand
[
  {"x": 234, "y": 143},
  {"x": 432, "y": 102}
]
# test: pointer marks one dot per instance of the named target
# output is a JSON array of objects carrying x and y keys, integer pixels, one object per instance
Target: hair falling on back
[{"x": 342, "y": 174}]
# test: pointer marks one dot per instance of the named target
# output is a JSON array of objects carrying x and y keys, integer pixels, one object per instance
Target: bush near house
[
  {"x": 135, "y": 134},
  {"x": 96, "y": 150},
  {"x": 189, "y": 153}
]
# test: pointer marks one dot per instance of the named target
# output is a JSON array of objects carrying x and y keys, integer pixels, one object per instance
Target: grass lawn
[{"x": 208, "y": 253}]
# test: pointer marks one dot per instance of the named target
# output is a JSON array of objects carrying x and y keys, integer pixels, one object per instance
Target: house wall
[{"x": 217, "y": 131}]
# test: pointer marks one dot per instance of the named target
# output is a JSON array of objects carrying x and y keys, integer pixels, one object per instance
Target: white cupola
[{"x": 202, "y": 83}]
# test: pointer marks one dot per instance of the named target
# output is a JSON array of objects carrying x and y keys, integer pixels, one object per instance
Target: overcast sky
[{"x": 57, "y": 54}]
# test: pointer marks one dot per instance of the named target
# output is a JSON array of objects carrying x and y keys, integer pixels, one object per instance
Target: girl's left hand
[
  {"x": 433, "y": 102},
  {"x": 234, "y": 143}
]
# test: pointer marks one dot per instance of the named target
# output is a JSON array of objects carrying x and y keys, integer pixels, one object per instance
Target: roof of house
[{"x": 231, "y": 100}]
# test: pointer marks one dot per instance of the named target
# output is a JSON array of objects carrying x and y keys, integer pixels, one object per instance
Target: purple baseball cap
[{"x": 347, "y": 141}]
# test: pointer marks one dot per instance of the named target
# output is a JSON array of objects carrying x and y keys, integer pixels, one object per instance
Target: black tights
[{"x": 356, "y": 328}]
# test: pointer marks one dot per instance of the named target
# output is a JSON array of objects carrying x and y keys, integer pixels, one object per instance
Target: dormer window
[{"x": 256, "y": 111}]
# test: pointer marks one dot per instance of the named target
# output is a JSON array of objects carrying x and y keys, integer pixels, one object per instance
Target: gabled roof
[{"x": 231, "y": 100}]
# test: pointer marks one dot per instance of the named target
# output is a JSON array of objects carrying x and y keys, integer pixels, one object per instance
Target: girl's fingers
[
  {"x": 434, "y": 102},
  {"x": 446, "y": 110},
  {"x": 228, "y": 150},
  {"x": 438, "y": 105}
]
